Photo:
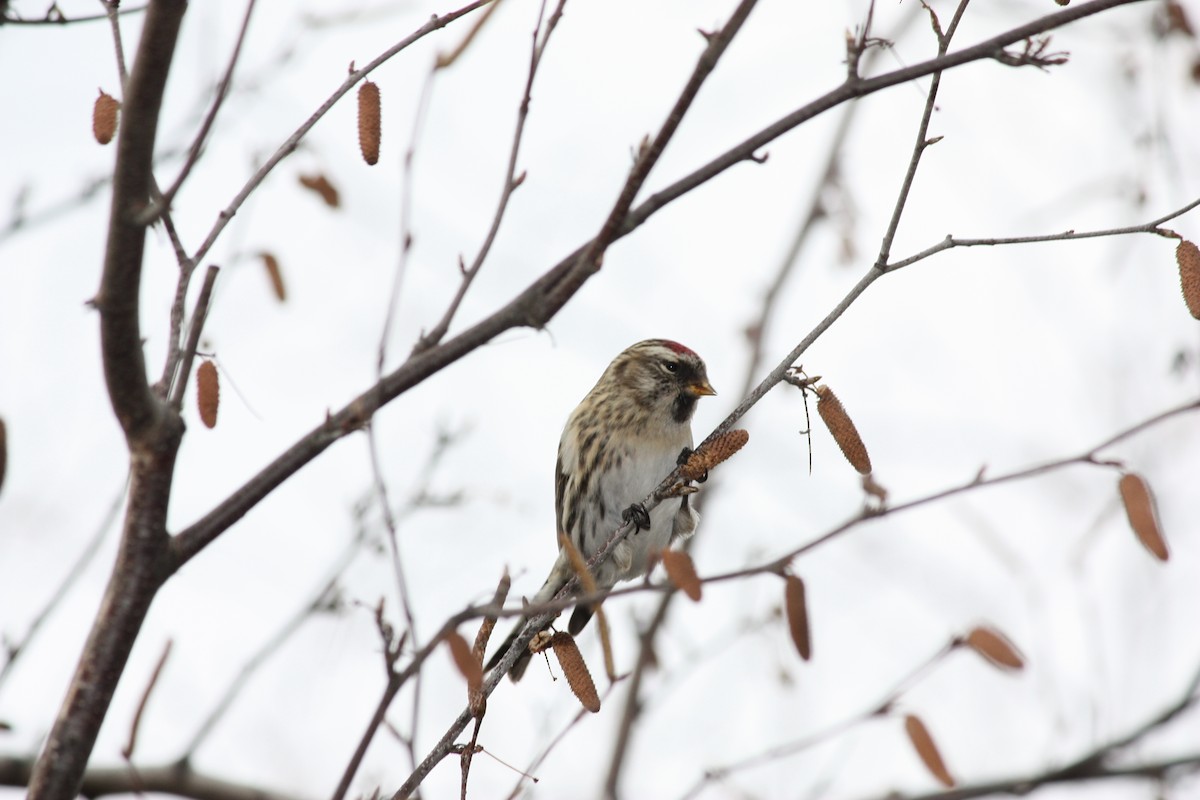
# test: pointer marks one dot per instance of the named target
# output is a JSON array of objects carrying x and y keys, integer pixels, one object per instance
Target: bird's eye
[{"x": 670, "y": 366}]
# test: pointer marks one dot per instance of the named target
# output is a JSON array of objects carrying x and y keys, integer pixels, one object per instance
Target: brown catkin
[
  {"x": 1188, "y": 256},
  {"x": 1139, "y": 507},
  {"x": 3, "y": 452},
  {"x": 922, "y": 742},
  {"x": 995, "y": 647},
  {"x": 104, "y": 117},
  {"x": 275, "y": 274},
  {"x": 323, "y": 187},
  {"x": 465, "y": 660},
  {"x": 682, "y": 573},
  {"x": 715, "y": 452},
  {"x": 208, "y": 393},
  {"x": 1177, "y": 20},
  {"x": 368, "y": 122},
  {"x": 834, "y": 415},
  {"x": 795, "y": 606},
  {"x": 573, "y": 666}
]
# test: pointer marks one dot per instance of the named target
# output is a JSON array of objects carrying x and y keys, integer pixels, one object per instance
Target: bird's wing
[{"x": 560, "y": 490}]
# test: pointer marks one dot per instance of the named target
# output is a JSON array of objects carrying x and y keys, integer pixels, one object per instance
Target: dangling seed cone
[
  {"x": 271, "y": 264},
  {"x": 104, "y": 117},
  {"x": 578, "y": 677},
  {"x": 715, "y": 452},
  {"x": 465, "y": 660},
  {"x": 1139, "y": 507},
  {"x": 995, "y": 647},
  {"x": 322, "y": 186},
  {"x": 682, "y": 573},
  {"x": 1188, "y": 256},
  {"x": 796, "y": 607},
  {"x": 922, "y": 742},
  {"x": 844, "y": 433},
  {"x": 3, "y": 452},
  {"x": 368, "y": 122},
  {"x": 208, "y": 393}
]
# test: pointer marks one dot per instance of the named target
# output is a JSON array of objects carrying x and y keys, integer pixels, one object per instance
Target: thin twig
[
  {"x": 406, "y": 236},
  {"x": 111, "y": 12},
  {"x": 82, "y": 561},
  {"x": 1094, "y": 765},
  {"x": 163, "y": 202},
  {"x": 950, "y": 242},
  {"x": 88, "y": 189},
  {"x": 1092, "y": 457},
  {"x": 60, "y": 19},
  {"x": 193, "y": 341},
  {"x": 923, "y": 142},
  {"x": 511, "y": 182},
  {"x": 852, "y": 89},
  {"x": 186, "y": 265},
  {"x": 393, "y": 537},
  {"x": 289, "y": 145},
  {"x": 780, "y": 751},
  {"x": 419, "y": 498},
  {"x": 589, "y": 259},
  {"x": 131, "y": 745},
  {"x": 326, "y": 591},
  {"x": 633, "y": 698},
  {"x": 540, "y": 758}
]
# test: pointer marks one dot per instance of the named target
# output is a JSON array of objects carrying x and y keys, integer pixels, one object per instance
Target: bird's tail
[{"x": 558, "y": 578}]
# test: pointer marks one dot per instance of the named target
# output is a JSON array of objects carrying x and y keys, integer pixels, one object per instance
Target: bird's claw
[
  {"x": 684, "y": 455},
  {"x": 638, "y": 515}
]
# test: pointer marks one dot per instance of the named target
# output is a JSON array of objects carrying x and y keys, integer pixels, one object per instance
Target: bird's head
[{"x": 661, "y": 377}]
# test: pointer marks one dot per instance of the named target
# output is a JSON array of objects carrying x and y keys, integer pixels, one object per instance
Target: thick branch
[
  {"x": 1022, "y": 786},
  {"x": 174, "y": 779},
  {"x": 153, "y": 433},
  {"x": 860, "y": 88},
  {"x": 120, "y": 333}
]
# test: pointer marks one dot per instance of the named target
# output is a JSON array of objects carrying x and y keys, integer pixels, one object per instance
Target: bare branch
[
  {"x": 130, "y": 746},
  {"x": 588, "y": 261},
  {"x": 542, "y": 299},
  {"x": 885, "y": 247},
  {"x": 780, "y": 751},
  {"x": 856, "y": 89},
  {"x": 194, "y": 331},
  {"x": 950, "y": 242},
  {"x": 290, "y": 144},
  {"x": 14, "y": 651},
  {"x": 511, "y": 182},
  {"x": 163, "y": 203},
  {"x": 58, "y": 18}
]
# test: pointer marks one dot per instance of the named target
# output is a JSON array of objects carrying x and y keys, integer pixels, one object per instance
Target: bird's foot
[
  {"x": 684, "y": 455},
  {"x": 638, "y": 515}
]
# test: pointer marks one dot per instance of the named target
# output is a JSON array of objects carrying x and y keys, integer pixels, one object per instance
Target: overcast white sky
[{"x": 999, "y": 357}]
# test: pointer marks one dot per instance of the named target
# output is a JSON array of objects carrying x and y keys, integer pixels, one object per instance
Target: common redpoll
[{"x": 626, "y": 435}]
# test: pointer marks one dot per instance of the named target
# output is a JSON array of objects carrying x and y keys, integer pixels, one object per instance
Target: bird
[{"x": 627, "y": 434}]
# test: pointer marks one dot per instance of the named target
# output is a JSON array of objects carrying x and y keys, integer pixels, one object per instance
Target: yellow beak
[{"x": 701, "y": 389}]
